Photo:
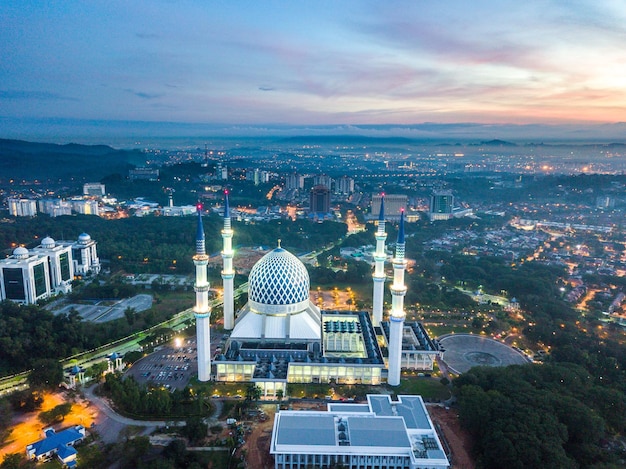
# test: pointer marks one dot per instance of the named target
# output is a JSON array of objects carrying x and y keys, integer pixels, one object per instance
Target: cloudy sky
[{"x": 314, "y": 62}]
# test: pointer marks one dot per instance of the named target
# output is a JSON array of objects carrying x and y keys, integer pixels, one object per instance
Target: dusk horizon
[{"x": 528, "y": 72}]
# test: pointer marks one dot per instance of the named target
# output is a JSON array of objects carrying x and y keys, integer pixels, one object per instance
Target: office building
[
  {"x": 22, "y": 207},
  {"x": 319, "y": 199},
  {"x": 441, "y": 205},
  {"x": 381, "y": 434},
  {"x": 394, "y": 204},
  {"x": 93, "y": 189}
]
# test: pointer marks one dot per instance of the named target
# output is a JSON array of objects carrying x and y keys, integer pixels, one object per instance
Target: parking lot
[{"x": 171, "y": 366}]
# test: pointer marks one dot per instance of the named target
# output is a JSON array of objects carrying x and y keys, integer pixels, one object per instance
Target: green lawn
[{"x": 428, "y": 388}]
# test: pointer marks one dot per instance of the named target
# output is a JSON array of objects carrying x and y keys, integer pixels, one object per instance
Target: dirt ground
[
  {"x": 28, "y": 429},
  {"x": 257, "y": 444},
  {"x": 456, "y": 438}
]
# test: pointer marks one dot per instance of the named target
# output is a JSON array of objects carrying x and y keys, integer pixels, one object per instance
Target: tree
[
  {"x": 56, "y": 414},
  {"x": 46, "y": 374},
  {"x": 195, "y": 430},
  {"x": 253, "y": 392},
  {"x": 130, "y": 313},
  {"x": 96, "y": 370},
  {"x": 279, "y": 394}
]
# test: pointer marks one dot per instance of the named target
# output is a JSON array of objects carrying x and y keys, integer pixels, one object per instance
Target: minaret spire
[
  {"x": 202, "y": 311},
  {"x": 380, "y": 256},
  {"x": 397, "y": 315},
  {"x": 228, "y": 273}
]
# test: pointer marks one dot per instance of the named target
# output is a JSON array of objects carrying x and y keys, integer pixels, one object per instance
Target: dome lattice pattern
[{"x": 279, "y": 278}]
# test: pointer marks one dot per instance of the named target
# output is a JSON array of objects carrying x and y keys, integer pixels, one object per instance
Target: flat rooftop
[{"x": 380, "y": 427}]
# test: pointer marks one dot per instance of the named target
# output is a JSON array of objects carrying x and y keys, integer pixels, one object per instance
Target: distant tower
[
  {"x": 379, "y": 272},
  {"x": 397, "y": 315},
  {"x": 201, "y": 310},
  {"x": 319, "y": 199},
  {"x": 228, "y": 273}
]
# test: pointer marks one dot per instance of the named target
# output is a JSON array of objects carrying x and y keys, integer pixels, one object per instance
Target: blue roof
[
  {"x": 65, "y": 452},
  {"x": 381, "y": 215},
  {"x": 56, "y": 441}
]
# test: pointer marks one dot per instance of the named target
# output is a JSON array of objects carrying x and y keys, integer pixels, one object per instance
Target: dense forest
[
  {"x": 540, "y": 416},
  {"x": 156, "y": 244},
  {"x": 30, "y": 333}
]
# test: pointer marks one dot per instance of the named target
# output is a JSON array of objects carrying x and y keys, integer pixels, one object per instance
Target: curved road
[{"x": 110, "y": 431}]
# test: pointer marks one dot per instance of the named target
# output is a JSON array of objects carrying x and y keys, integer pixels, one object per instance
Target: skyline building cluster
[{"x": 30, "y": 275}]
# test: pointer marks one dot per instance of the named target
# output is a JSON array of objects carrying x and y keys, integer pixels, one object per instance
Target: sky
[{"x": 249, "y": 64}]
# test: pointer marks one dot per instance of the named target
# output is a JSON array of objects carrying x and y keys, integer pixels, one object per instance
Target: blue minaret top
[
  {"x": 381, "y": 215},
  {"x": 400, "y": 242},
  {"x": 200, "y": 249},
  {"x": 226, "y": 206}
]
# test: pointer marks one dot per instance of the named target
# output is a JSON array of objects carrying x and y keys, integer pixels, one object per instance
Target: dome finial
[{"x": 279, "y": 242}]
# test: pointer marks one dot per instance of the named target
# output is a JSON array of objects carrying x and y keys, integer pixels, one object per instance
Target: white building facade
[
  {"x": 381, "y": 434},
  {"x": 24, "y": 277}
]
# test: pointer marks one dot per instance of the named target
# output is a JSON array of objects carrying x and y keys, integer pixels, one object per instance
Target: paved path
[{"x": 111, "y": 424}]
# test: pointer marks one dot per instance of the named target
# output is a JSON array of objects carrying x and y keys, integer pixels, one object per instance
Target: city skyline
[{"x": 533, "y": 69}]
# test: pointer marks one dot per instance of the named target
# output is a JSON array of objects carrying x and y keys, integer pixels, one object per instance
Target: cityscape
[{"x": 214, "y": 254}]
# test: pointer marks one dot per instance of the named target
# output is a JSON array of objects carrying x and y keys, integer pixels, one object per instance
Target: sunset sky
[{"x": 314, "y": 62}]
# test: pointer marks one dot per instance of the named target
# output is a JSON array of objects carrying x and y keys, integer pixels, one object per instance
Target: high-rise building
[
  {"x": 319, "y": 199},
  {"x": 323, "y": 180},
  {"x": 394, "y": 204},
  {"x": 22, "y": 207},
  {"x": 60, "y": 264},
  {"x": 25, "y": 277},
  {"x": 344, "y": 185},
  {"x": 48, "y": 269},
  {"x": 85, "y": 256},
  {"x": 294, "y": 181},
  {"x": 54, "y": 207},
  {"x": 86, "y": 207},
  {"x": 441, "y": 205},
  {"x": 93, "y": 189},
  {"x": 202, "y": 311}
]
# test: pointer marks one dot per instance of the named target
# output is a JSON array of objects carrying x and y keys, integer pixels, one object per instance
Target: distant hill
[
  {"x": 498, "y": 143},
  {"x": 49, "y": 161},
  {"x": 346, "y": 140}
]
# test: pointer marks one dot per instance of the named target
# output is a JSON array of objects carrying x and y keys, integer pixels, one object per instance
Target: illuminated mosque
[{"x": 280, "y": 336}]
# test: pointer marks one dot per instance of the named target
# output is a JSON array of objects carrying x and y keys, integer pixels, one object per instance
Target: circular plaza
[{"x": 465, "y": 351}]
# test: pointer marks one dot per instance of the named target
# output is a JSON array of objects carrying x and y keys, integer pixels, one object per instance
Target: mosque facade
[{"x": 280, "y": 336}]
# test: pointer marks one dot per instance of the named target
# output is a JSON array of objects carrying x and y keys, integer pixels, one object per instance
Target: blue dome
[{"x": 278, "y": 279}]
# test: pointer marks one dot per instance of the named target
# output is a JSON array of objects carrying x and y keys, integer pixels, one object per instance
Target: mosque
[{"x": 280, "y": 336}]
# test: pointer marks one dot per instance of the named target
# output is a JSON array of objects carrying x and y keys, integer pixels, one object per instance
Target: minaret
[
  {"x": 397, "y": 315},
  {"x": 228, "y": 273},
  {"x": 379, "y": 271},
  {"x": 201, "y": 310}
]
